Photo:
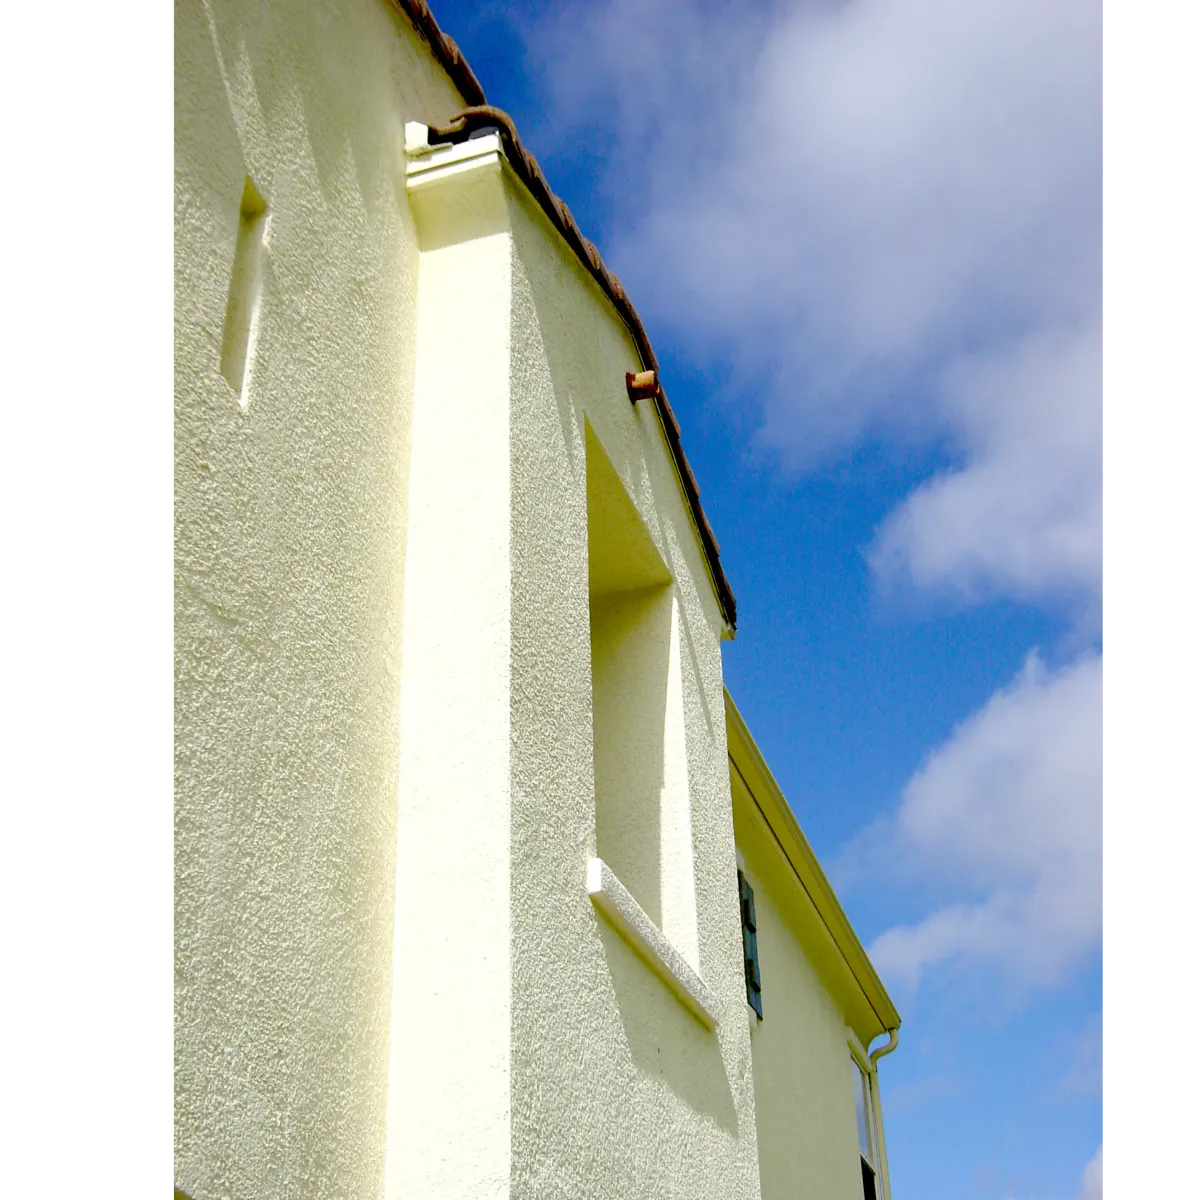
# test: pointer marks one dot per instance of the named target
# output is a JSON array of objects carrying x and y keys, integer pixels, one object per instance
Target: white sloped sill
[{"x": 629, "y": 919}]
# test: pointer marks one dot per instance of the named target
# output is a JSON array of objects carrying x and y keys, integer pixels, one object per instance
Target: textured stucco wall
[
  {"x": 804, "y": 1100},
  {"x": 290, "y": 543},
  {"x": 601, "y": 1083},
  {"x": 449, "y": 1109},
  {"x": 617, "y": 1091},
  {"x": 497, "y": 1036}
]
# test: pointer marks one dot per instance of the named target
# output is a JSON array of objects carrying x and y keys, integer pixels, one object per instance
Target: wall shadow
[{"x": 665, "y": 1041}]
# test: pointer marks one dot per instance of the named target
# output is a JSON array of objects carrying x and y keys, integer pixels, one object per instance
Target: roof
[
  {"x": 480, "y": 115},
  {"x": 746, "y": 758}
]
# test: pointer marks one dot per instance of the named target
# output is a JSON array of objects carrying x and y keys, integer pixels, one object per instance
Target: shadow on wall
[
  {"x": 288, "y": 565},
  {"x": 685, "y": 624},
  {"x": 323, "y": 56},
  {"x": 665, "y": 1041}
]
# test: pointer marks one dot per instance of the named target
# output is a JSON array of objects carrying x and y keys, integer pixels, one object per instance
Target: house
[{"x": 482, "y": 888}]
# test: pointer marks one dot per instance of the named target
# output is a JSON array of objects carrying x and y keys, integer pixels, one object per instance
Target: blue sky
[{"x": 864, "y": 236}]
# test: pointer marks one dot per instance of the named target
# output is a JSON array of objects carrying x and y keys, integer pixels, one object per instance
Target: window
[
  {"x": 750, "y": 946},
  {"x": 864, "y": 1111},
  {"x": 643, "y": 806}
]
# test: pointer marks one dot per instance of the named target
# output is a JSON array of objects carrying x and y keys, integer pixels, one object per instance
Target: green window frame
[{"x": 750, "y": 945}]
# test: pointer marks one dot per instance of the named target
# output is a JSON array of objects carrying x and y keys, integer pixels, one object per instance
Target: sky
[{"x": 864, "y": 237}]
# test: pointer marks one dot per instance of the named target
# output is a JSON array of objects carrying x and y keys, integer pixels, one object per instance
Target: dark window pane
[
  {"x": 750, "y": 946},
  {"x": 868, "y": 1181}
]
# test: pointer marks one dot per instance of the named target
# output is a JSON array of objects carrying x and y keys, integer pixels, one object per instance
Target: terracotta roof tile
[{"x": 445, "y": 49}]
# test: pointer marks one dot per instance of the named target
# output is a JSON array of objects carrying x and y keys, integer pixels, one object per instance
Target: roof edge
[
  {"x": 747, "y": 757},
  {"x": 444, "y": 48},
  {"x": 478, "y": 113}
]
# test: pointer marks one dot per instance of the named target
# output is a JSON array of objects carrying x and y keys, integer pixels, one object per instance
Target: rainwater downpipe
[{"x": 874, "y": 1056}]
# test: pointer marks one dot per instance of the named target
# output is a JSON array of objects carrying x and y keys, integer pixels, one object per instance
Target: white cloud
[
  {"x": 1005, "y": 818},
  {"x": 1023, "y": 516},
  {"x": 1091, "y": 1186},
  {"x": 880, "y": 217}
]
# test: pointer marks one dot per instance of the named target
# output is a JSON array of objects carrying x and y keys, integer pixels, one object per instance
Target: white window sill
[{"x": 629, "y": 919}]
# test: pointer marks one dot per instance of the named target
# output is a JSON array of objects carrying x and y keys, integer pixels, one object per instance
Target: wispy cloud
[
  {"x": 879, "y": 218},
  {"x": 1091, "y": 1187},
  {"x": 1004, "y": 820},
  {"x": 1022, "y": 517}
]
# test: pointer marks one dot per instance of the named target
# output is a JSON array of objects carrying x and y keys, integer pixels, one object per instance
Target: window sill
[{"x": 629, "y": 919}]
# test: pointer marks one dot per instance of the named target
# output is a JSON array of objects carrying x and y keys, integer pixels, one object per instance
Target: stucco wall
[
  {"x": 364, "y": 486},
  {"x": 616, "y": 1090},
  {"x": 290, "y": 543},
  {"x": 804, "y": 1100},
  {"x": 449, "y": 1108}
]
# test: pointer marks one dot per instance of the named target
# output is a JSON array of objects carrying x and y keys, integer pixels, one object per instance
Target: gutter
[
  {"x": 877, "y": 1105},
  {"x": 781, "y": 821}
]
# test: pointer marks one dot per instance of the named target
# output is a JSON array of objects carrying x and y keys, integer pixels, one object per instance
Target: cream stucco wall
[
  {"x": 290, "y": 542},
  {"x": 614, "y": 1088},
  {"x": 390, "y": 978},
  {"x": 804, "y": 1099},
  {"x": 617, "y": 1090},
  {"x": 449, "y": 1108}
]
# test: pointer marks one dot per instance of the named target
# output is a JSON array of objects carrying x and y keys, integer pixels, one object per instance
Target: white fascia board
[
  {"x": 449, "y": 159},
  {"x": 629, "y": 919},
  {"x": 456, "y": 192}
]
